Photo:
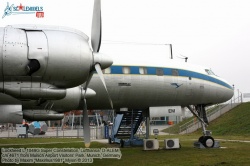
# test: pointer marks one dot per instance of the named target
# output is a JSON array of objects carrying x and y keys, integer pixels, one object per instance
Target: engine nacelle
[
  {"x": 54, "y": 55},
  {"x": 11, "y": 114},
  {"x": 33, "y": 110},
  {"x": 72, "y": 100},
  {"x": 41, "y": 115}
]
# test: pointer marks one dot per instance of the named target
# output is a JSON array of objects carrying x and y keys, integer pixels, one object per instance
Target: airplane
[
  {"x": 140, "y": 86},
  {"x": 170, "y": 83},
  {"x": 132, "y": 86},
  {"x": 40, "y": 63}
]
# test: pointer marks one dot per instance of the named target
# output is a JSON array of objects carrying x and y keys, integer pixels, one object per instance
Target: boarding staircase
[
  {"x": 126, "y": 125},
  {"x": 212, "y": 113}
]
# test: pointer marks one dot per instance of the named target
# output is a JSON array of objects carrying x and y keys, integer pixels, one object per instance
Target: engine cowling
[
  {"x": 55, "y": 55},
  {"x": 41, "y": 115},
  {"x": 11, "y": 114}
]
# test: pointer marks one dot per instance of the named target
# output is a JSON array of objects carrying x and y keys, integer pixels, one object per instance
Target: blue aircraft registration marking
[{"x": 168, "y": 72}]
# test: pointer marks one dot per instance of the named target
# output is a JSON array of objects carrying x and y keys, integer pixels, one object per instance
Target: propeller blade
[
  {"x": 96, "y": 32},
  {"x": 87, "y": 82},
  {"x": 99, "y": 72},
  {"x": 86, "y": 128}
]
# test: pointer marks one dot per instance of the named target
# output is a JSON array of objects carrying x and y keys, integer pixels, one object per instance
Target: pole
[
  {"x": 238, "y": 95},
  {"x": 171, "y": 52}
]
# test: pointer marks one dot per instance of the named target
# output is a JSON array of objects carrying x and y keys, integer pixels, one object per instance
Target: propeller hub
[{"x": 104, "y": 60}]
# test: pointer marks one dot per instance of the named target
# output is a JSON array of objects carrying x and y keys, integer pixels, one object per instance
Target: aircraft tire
[
  {"x": 208, "y": 141},
  {"x": 201, "y": 139}
]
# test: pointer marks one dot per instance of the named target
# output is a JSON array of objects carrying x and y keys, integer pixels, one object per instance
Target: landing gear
[{"x": 206, "y": 140}]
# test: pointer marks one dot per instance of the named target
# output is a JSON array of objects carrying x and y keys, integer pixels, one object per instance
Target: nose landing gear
[{"x": 205, "y": 141}]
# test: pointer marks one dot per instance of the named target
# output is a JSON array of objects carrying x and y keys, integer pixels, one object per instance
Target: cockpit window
[{"x": 209, "y": 72}]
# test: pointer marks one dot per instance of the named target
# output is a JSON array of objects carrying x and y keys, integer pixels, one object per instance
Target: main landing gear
[{"x": 206, "y": 140}]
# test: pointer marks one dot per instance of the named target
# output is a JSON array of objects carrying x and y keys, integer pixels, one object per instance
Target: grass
[
  {"x": 175, "y": 129},
  {"x": 234, "y": 122},
  {"x": 234, "y": 125},
  {"x": 235, "y": 153}
]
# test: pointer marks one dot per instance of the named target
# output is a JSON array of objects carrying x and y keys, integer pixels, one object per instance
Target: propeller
[
  {"x": 96, "y": 32},
  {"x": 100, "y": 62}
]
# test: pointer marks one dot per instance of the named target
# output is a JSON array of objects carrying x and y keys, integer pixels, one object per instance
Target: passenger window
[
  {"x": 143, "y": 70},
  {"x": 175, "y": 72},
  {"x": 159, "y": 72},
  {"x": 126, "y": 70}
]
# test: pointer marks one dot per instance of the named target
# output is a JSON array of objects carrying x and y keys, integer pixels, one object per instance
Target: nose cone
[
  {"x": 229, "y": 94},
  {"x": 104, "y": 60},
  {"x": 228, "y": 90}
]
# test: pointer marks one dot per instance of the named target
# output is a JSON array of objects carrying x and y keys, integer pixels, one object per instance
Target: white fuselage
[{"x": 174, "y": 83}]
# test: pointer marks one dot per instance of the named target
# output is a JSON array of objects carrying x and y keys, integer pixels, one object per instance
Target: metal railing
[
  {"x": 96, "y": 132},
  {"x": 213, "y": 113}
]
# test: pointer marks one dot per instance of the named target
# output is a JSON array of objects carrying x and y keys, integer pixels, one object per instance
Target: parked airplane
[
  {"x": 170, "y": 83},
  {"x": 42, "y": 93},
  {"x": 142, "y": 86}
]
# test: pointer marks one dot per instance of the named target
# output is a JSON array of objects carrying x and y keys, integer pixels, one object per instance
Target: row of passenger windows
[
  {"x": 140, "y": 70},
  {"x": 149, "y": 70}
]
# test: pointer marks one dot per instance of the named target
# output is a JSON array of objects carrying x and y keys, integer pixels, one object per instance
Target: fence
[
  {"x": 96, "y": 132},
  {"x": 214, "y": 113}
]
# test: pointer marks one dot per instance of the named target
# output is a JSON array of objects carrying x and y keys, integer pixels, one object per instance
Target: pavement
[{"x": 160, "y": 128}]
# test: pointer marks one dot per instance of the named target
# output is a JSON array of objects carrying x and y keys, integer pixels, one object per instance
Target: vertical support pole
[
  {"x": 8, "y": 130},
  {"x": 132, "y": 125},
  {"x": 72, "y": 121},
  {"x": 238, "y": 95},
  {"x": 146, "y": 114},
  {"x": 241, "y": 98},
  {"x": 57, "y": 131}
]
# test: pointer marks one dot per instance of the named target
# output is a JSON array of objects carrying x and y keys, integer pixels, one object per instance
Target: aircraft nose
[{"x": 229, "y": 92}]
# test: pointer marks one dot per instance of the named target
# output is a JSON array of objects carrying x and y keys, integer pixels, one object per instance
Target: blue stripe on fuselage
[{"x": 168, "y": 72}]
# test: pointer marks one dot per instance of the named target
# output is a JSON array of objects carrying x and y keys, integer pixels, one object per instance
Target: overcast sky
[{"x": 213, "y": 33}]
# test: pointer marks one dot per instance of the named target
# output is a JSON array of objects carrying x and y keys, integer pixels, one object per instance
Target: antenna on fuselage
[
  {"x": 171, "y": 51},
  {"x": 183, "y": 57}
]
